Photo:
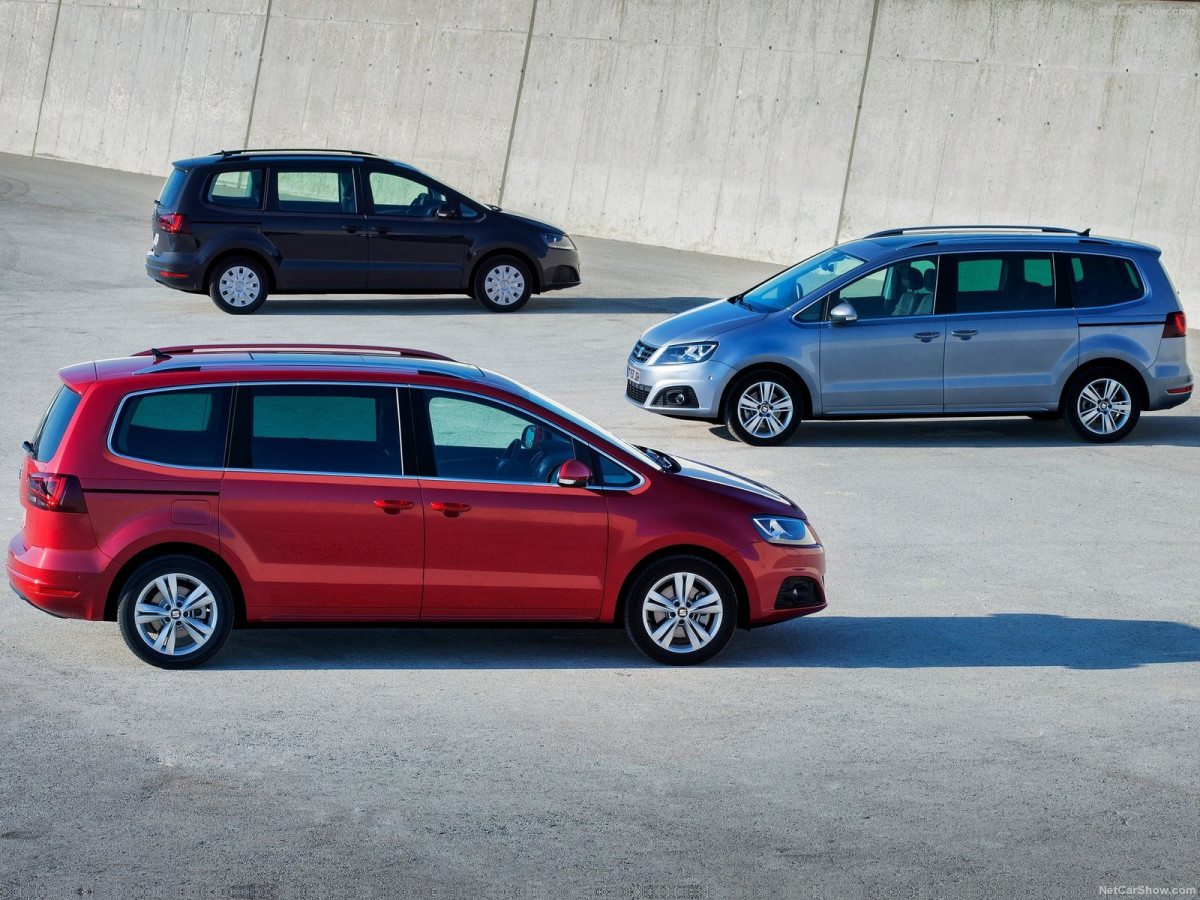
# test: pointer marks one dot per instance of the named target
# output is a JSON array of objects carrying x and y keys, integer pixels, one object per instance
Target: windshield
[
  {"x": 588, "y": 425},
  {"x": 800, "y": 280}
]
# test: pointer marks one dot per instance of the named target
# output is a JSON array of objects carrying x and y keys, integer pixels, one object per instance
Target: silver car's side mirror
[{"x": 843, "y": 314}]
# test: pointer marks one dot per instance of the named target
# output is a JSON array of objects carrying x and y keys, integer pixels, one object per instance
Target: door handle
[
  {"x": 379, "y": 230},
  {"x": 926, "y": 336},
  {"x": 965, "y": 334},
  {"x": 353, "y": 229},
  {"x": 391, "y": 507},
  {"x": 449, "y": 508}
]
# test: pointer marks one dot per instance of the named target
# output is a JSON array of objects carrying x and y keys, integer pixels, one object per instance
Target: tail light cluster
[
  {"x": 175, "y": 223},
  {"x": 55, "y": 493},
  {"x": 1176, "y": 325}
]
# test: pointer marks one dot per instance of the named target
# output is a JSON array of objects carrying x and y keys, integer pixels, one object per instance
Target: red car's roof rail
[{"x": 160, "y": 353}]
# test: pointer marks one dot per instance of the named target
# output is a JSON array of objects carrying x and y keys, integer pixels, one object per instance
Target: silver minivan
[{"x": 931, "y": 321}]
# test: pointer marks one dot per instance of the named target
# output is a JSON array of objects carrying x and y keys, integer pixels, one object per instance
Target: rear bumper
[
  {"x": 65, "y": 583},
  {"x": 182, "y": 278},
  {"x": 766, "y": 567}
]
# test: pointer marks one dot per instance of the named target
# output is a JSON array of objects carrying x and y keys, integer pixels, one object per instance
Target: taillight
[
  {"x": 175, "y": 223},
  {"x": 55, "y": 493},
  {"x": 1176, "y": 325}
]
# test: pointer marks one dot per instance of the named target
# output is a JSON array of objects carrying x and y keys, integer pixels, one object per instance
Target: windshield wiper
[
  {"x": 740, "y": 300},
  {"x": 667, "y": 462}
]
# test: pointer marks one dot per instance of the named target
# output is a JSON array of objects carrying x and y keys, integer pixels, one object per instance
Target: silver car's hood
[
  {"x": 689, "y": 468},
  {"x": 701, "y": 324}
]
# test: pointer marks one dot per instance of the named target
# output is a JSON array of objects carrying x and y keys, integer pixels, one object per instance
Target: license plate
[
  {"x": 154, "y": 243},
  {"x": 633, "y": 374}
]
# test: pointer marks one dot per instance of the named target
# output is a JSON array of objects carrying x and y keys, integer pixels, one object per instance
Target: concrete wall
[{"x": 728, "y": 126}]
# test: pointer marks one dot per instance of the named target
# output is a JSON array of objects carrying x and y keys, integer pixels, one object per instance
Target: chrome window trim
[{"x": 641, "y": 478}]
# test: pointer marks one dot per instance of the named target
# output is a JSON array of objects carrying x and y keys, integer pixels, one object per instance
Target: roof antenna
[
  {"x": 158, "y": 355},
  {"x": 1085, "y": 233}
]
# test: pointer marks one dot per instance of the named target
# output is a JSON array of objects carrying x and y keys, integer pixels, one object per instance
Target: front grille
[
  {"x": 636, "y": 392},
  {"x": 796, "y": 592},
  {"x": 642, "y": 352},
  {"x": 565, "y": 275}
]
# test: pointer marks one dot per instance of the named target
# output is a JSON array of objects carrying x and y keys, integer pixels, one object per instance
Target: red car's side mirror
[{"x": 573, "y": 473}]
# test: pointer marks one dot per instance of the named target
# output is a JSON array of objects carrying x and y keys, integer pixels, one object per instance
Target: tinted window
[
  {"x": 478, "y": 440},
  {"x": 54, "y": 424},
  {"x": 169, "y": 197},
  {"x": 1001, "y": 282},
  {"x": 1103, "y": 281},
  {"x": 905, "y": 288},
  {"x": 186, "y": 427},
  {"x": 315, "y": 190},
  {"x": 346, "y": 429},
  {"x": 395, "y": 195},
  {"x": 240, "y": 187},
  {"x": 611, "y": 474}
]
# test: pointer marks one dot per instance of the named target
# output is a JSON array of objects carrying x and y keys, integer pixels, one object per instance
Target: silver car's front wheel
[
  {"x": 503, "y": 284},
  {"x": 762, "y": 408},
  {"x": 681, "y": 610},
  {"x": 1102, "y": 406},
  {"x": 175, "y": 612}
]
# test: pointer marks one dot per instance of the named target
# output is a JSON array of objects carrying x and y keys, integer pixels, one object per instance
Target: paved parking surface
[{"x": 1000, "y": 701}]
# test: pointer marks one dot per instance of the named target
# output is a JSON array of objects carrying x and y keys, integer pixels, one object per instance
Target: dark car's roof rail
[
  {"x": 163, "y": 353},
  {"x": 224, "y": 153},
  {"x": 922, "y": 229}
]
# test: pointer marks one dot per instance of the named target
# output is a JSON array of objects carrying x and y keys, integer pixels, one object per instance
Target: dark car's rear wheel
[
  {"x": 503, "y": 284},
  {"x": 681, "y": 610},
  {"x": 1102, "y": 405},
  {"x": 763, "y": 408},
  {"x": 175, "y": 612},
  {"x": 238, "y": 285}
]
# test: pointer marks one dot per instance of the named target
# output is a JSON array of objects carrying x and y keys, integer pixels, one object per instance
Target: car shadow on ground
[
  {"x": 1011, "y": 431},
  {"x": 834, "y": 642},
  {"x": 455, "y": 305}
]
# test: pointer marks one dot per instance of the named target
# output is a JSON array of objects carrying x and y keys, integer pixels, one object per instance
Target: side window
[
  {"x": 1103, "y": 281},
  {"x": 334, "y": 428},
  {"x": 611, "y": 474},
  {"x": 241, "y": 188},
  {"x": 1001, "y": 282},
  {"x": 478, "y": 440},
  {"x": 905, "y": 288},
  {"x": 185, "y": 427},
  {"x": 313, "y": 190},
  {"x": 395, "y": 195}
]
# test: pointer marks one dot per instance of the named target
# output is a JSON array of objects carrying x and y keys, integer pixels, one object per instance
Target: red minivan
[{"x": 181, "y": 491}]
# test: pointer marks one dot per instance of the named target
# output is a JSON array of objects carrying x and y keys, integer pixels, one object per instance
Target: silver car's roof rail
[
  {"x": 291, "y": 150},
  {"x": 921, "y": 229}
]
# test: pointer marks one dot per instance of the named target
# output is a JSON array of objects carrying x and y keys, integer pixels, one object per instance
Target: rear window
[
  {"x": 54, "y": 424},
  {"x": 339, "y": 429},
  {"x": 240, "y": 188},
  {"x": 1103, "y": 280},
  {"x": 169, "y": 198},
  {"x": 184, "y": 427}
]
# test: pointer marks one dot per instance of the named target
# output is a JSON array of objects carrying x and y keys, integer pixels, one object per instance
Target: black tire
[
  {"x": 503, "y": 284},
  {"x": 238, "y": 285},
  {"x": 1102, "y": 405},
  {"x": 763, "y": 408},
  {"x": 202, "y": 629},
  {"x": 697, "y": 636}
]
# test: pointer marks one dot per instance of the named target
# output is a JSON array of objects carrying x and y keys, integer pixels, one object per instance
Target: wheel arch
[
  {"x": 174, "y": 549},
  {"x": 708, "y": 555},
  {"x": 534, "y": 269},
  {"x": 1137, "y": 378},
  {"x": 253, "y": 253},
  {"x": 778, "y": 369}
]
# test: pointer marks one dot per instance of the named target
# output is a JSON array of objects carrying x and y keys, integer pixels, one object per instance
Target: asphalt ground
[{"x": 1000, "y": 700}]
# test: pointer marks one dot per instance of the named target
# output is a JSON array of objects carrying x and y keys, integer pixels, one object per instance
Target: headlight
[
  {"x": 784, "y": 530},
  {"x": 678, "y": 354},
  {"x": 559, "y": 241}
]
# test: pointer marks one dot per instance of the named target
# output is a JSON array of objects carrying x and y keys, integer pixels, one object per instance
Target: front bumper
[
  {"x": 70, "y": 584},
  {"x": 558, "y": 269},
  {"x": 782, "y": 582},
  {"x": 693, "y": 389}
]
